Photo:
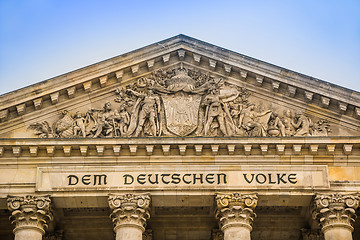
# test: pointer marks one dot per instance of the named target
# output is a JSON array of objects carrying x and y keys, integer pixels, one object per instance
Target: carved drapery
[
  {"x": 335, "y": 210},
  {"x": 236, "y": 210},
  {"x": 129, "y": 210},
  {"x": 30, "y": 212}
]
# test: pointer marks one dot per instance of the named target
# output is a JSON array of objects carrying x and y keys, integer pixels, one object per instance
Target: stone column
[
  {"x": 31, "y": 216},
  {"x": 235, "y": 213},
  {"x": 336, "y": 214},
  {"x": 129, "y": 215}
]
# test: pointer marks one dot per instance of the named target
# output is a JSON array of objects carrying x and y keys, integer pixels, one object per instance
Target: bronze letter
[
  {"x": 252, "y": 177},
  {"x": 141, "y": 178},
  {"x": 126, "y": 177},
  {"x": 224, "y": 177},
  {"x": 156, "y": 179},
  {"x": 270, "y": 182},
  {"x": 71, "y": 177},
  {"x": 162, "y": 178},
  {"x": 280, "y": 178},
  {"x": 198, "y": 178},
  {"x": 257, "y": 178},
  {"x": 175, "y": 178},
  {"x": 210, "y": 178},
  {"x": 186, "y": 175},
  {"x": 292, "y": 178},
  {"x": 86, "y": 179},
  {"x": 96, "y": 177}
]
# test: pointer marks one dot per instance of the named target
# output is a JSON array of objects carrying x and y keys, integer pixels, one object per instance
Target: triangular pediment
[{"x": 180, "y": 87}]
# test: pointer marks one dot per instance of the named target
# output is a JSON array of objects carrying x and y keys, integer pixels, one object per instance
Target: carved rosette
[
  {"x": 335, "y": 210},
  {"x": 129, "y": 210},
  {"x": 30, "y": 212},
  {"x": 236, "y": 210}
]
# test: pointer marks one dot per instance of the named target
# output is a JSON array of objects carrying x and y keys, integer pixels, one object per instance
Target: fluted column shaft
[
  {"x": 30, "y": 215},
  {"x": 129, "y": 215},
  {"x": 235, "y": 213},
  {"x": 336, "y": 214}
]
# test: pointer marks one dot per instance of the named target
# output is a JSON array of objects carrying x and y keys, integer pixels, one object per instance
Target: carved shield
[{"x": 181, "y": 111}]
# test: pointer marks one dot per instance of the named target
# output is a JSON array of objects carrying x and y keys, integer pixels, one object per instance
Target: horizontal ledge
[{"x": 178, "y": 140}]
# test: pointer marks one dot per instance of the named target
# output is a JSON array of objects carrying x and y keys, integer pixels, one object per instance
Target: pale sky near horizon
[{"x": 41, "y": 39}]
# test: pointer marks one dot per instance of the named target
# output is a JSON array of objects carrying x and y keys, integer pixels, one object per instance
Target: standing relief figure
[
  {"x": 79, "y": 125},
  {"x": 214, "y": 110},
  {"x": 289, "y": 123},
  {"x": 149, "y": 110}
]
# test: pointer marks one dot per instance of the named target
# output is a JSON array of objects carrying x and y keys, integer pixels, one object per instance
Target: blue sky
[{"x": 41, "y": 39}]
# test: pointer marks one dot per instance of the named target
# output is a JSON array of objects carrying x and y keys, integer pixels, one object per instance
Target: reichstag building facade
[{"x": 180, "y": 140}]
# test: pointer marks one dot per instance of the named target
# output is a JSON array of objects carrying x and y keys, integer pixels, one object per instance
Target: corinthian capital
[
  {"x": 30, "y": 212},
  {"x": 335, "y": 210},
  {"x": 129, "y": 210},
  {"x": 236, "y": 210}
]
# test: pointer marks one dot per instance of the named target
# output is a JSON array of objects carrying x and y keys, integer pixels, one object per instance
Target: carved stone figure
[
  {"x": 181, "y": 102},
  {"x": 124, "y": 121},
  {"x": 214, "y": 110},
  {"x": 252, "y": 122},
  {"x": 149, "y": 110},
  {"x": 79, "y": 125},
  {"x": 302, "y": 125},
  {"x": 288, "y": 123},
  {"x": 105, "y": 121},
  {"x": 276, "y": 126}
]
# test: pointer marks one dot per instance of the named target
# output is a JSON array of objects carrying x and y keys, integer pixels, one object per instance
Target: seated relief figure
[{"x": 254, "y": 123}]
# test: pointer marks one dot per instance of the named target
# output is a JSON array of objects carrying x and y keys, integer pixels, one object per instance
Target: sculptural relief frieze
[{"x": 181, "y": 102}]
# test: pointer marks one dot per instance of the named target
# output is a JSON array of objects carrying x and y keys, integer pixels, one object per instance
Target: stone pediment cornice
[
  {"x": 324, "y": 147},
  {"x": 132, "y": 65}
]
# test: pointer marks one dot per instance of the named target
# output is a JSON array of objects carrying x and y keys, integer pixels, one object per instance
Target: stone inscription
[
  {"x": 232, "y": 177},
  {"x": 187, "y": 178}
]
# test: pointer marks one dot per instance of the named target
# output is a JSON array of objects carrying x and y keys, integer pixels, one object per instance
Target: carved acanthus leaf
[
  {"x": 235, "y": 210},
  {"x": 129, "y": 209},
  {"x": 335, "y": 210},
  {"x": 30, "y": 212}
]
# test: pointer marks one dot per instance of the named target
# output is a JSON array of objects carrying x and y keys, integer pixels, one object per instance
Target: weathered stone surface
[{"x": 201, "y": 120}]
